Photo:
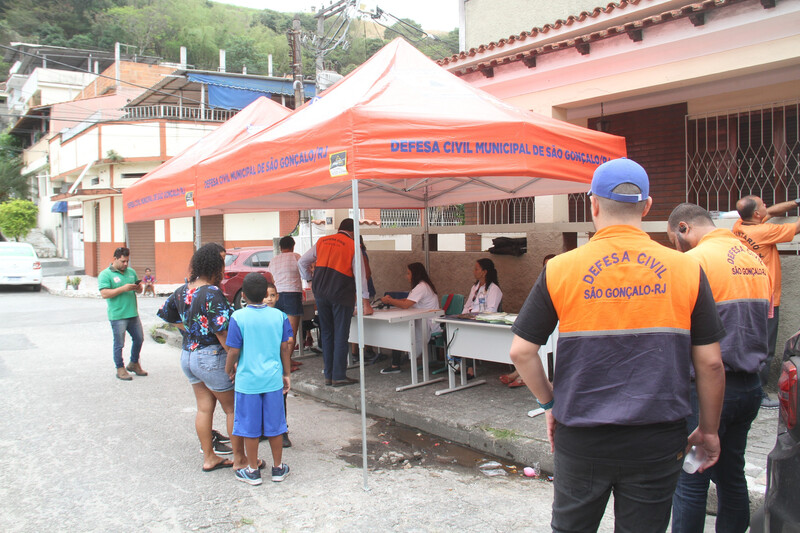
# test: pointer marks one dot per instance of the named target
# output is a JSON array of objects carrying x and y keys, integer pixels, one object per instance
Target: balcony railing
[{"x": 178, "y": 113}]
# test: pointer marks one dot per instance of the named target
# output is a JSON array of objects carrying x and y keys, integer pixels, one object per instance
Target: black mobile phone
[{"x": 138, "y": 281}]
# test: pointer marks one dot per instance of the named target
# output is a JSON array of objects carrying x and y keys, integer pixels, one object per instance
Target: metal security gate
[
  {"x": 746, "y": 151},
  {"x": 141, "y": 241},
  {"x": 212, "y": 229}
]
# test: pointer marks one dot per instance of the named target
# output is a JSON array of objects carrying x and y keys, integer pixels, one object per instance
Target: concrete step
[{"x": 58, "y": 266}]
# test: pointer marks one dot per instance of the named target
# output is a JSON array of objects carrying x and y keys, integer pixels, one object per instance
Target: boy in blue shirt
[{"x": 258, "y": 363}]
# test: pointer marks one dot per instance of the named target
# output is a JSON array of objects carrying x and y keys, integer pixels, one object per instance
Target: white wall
[
  {"x": 181, "y": 136},
  {"x": 252, "y": 226},
  {"x": 181, "y": 229},
  {"x": 141, "y": 139}
]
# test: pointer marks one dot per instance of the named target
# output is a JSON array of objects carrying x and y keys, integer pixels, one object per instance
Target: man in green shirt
[{"x": 118, "y": 285}]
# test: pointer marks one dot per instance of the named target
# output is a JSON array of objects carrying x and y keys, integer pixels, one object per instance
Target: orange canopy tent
[
  {"x": 168, "y": 190},
  {"x": 398, "y": 132},
  {"x": 412, "y": 134}
]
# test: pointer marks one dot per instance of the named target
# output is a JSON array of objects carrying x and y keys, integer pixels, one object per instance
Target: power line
[{"x": 118, "y": 80}]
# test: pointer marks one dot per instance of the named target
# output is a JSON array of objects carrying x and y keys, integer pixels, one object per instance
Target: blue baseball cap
[{"x": 616, "y": 172}]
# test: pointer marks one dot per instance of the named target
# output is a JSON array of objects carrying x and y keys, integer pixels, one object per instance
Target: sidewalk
[
  {"x": 490, "y": 418},
  {"x": 88, "y": 287}
]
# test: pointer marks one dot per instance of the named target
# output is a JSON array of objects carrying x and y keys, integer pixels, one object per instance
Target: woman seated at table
[
  {"x": 422, "y": 296},
  {"x": 485, "y": 295}
]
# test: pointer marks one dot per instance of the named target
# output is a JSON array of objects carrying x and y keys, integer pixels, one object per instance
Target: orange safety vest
[
  {"x": 624, "y": 304},
  {"x": 762, "y": 238},
  {"x": 741, "y": 286},
  {"x": 333, "y": 273}
]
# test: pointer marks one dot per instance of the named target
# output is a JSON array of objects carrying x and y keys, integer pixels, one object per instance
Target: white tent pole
[
  {"x": 197, "y": 230},
  {"x": 425, "y": 236},
  {"x": 360, "y": 323}
]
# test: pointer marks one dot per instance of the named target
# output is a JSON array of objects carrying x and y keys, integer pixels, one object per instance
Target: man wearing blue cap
[{"x": 634, "y": 316}]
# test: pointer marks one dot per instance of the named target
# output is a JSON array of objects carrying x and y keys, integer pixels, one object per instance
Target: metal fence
[
  {"x": 509, "y": 211},
  {"x": 178, "y": 112},
  {"x": 451, "y": 215},
  {"x": 744, "y": 151}
]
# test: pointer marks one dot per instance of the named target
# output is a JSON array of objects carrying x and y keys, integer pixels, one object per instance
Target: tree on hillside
[
  {"x": 12, "y": 183},
  {"x": 18, "y": 218},
  {"x": 142, "y": 27}
]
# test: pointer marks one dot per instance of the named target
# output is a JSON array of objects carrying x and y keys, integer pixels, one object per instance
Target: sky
[{"x": 431, "y": 14}]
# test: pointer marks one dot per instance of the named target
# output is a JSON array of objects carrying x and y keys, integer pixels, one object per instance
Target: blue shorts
[
  {"x": 291, "y": 303},
  {"x": 207, "y": 364},
  {"x": 255, "y": 415}
]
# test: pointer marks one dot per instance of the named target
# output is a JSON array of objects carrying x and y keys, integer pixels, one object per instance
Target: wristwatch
[{"x": 797, "y": 201}]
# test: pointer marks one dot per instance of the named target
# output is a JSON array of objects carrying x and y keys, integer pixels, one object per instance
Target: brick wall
[
  {"x": 472, "y": 241},
  {"x": 288, "y": 221},
  {"x": 656, "y": 140},
  {"x": 139, "y": 74}
]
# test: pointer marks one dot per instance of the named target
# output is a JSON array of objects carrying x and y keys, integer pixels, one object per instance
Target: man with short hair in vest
[
  {"x": 634, "y": 317},
  {"x": 762, "y": 238},
  {"x": 741, "y": 286},
  {"x": 334, "y": 287}
]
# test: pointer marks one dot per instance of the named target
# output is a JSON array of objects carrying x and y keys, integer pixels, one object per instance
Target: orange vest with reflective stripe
[
  {"x": 624, "y": 304},
  {"x": 333, "y": 272},
  {"x": 741, "y": 286}
]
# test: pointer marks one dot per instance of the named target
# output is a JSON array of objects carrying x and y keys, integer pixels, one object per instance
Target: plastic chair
[{"x": 452, "y": 304}]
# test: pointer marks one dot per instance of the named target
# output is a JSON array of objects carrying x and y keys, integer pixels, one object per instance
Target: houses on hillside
[{"x": 89, "y": 134}]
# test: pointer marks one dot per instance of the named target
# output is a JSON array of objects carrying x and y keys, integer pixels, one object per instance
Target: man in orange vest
[
  {"x": 742, "y": 289},
  {"x": 762, "y": 239},
  {"x": 634, "y": 317},
  {"x": 334, "y": 258}
]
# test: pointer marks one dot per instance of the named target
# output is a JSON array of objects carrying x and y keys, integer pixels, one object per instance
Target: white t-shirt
[
  {"x": 424, "y": 298},
  {"x": 283, "y": 268},
  {"x": 493, "y": 298}
]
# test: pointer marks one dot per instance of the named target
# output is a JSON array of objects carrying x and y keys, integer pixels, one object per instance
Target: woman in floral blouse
[{"x": 204, "y": 312}]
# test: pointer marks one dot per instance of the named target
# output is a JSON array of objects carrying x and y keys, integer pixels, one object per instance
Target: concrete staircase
[{"x": 44, "y": 247}]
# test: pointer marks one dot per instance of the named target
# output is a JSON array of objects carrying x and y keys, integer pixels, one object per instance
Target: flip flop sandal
[
  {"x": 516, "y": 383},
  {"x": 505, "y": 379},
  {"x": 225, "y": 463}
]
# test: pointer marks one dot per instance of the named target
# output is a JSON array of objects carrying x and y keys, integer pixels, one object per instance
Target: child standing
[
  {"x": 258, "y": 362},
  {"x": 272, "y": 299}
]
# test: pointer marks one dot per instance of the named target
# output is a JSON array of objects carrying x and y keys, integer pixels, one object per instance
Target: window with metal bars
[{"x": 746, "y": 151}]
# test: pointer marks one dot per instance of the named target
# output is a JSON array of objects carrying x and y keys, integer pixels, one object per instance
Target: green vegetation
[
  {"x": 12, "y": 183},
  {"x": 161, "y": 27},
  {"x": 17, "y": 218}
]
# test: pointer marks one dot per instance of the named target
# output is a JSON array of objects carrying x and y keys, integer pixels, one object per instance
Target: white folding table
[
  {"x": 476, "y": 339},
  {"x": 396, "y": 329}
]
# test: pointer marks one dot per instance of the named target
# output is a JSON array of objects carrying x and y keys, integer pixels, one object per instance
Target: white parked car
[{"x": 19, "y": 265}]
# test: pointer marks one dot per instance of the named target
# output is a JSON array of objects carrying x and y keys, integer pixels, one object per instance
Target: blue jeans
[
  {"x": 742, "y": 401},
  {"x": 642, "y": 494},
  {"x": 134, "y": 328},
  {"x": 334, "y": 328}
]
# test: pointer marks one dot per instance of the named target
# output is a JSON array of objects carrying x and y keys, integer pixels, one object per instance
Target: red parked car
[
  {"x": 239, "y": 262},
  {"x": 781, "y": 512}
]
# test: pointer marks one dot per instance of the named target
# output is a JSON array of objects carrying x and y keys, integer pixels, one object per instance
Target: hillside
[{"x": 161, "y": 27}]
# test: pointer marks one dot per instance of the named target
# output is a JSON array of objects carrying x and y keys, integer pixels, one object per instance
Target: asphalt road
[{"x": 83, "y": 451}]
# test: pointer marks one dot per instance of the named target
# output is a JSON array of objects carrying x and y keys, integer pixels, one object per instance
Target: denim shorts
[
  {"x": 207, "y": 364},
  {"x": 291, "y": 303},
  {"x": 185, "y": 354}
]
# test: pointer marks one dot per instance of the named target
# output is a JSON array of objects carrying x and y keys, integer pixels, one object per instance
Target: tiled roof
[{"x": 633, "y": 29}]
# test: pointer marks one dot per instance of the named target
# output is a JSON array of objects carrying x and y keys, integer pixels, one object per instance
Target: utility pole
[
  {"x": 297, "y": 63},
  {"x": 321, "y": 45}
]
